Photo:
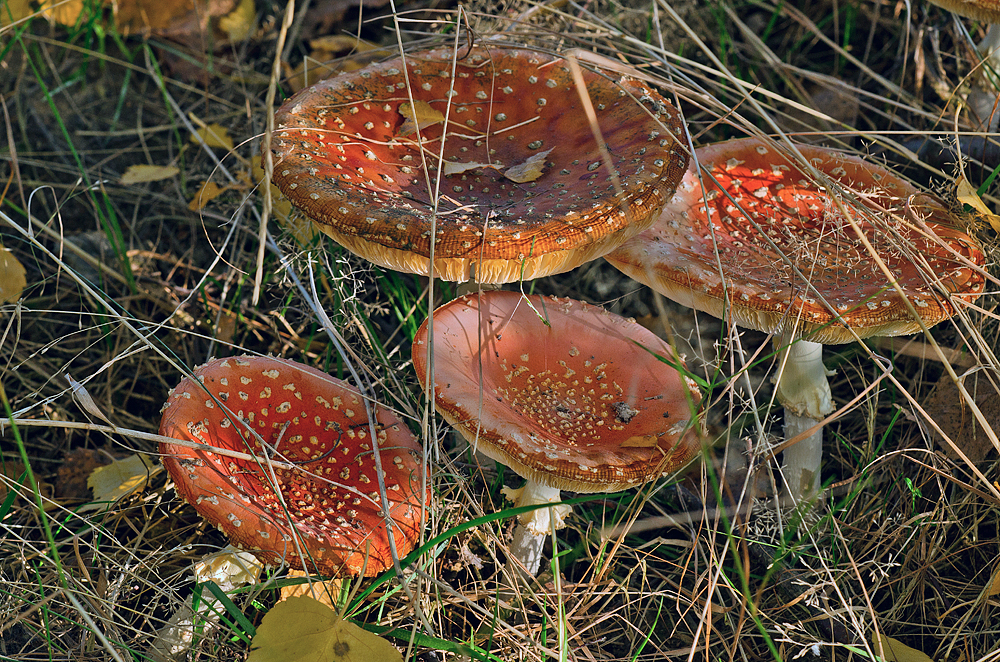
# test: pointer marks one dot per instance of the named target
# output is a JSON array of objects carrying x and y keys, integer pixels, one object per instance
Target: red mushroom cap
[
  {"x": 525, "y": 191},
  {"x": 581, "y": 404},
  {"x": 309, "y": 419},
  {"x": 757, "y": 189}
]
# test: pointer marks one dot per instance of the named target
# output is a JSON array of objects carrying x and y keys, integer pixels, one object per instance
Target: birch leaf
[
  {"x": 420, "y": 115},
  {"x": 305, "y": 630},
  {"x": 452, "y": 168},
  {"x": 206, "y": 193},
  {"x": 214, "y": 135},
  {"x": 12, "y": 280},
  {"x": 122, "y": 477},
  {"x": 967, "y": 195},
  {"x": 139, "y": 174},
  {"x": 896, "y": 651},
  {"x": 530, "y": 170}
]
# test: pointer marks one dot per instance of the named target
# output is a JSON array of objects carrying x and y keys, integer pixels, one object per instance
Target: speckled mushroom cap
[
  {"x": 525, "y": 191},
  {"x": 773, "y": 206},
  {"x": 581, "y": 404},
  {"x": 309, "y": 419}
]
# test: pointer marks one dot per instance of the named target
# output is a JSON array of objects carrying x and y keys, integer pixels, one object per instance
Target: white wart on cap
[
  {"x": 582, "y": 403},
  {"x": 525, "y": 191},
  {"x": 781, "y": 239},
  {"x": 315, "y": 422}
]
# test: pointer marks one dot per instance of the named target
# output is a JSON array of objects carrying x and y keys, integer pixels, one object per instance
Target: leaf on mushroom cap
[
  {"x": 582, "y": 403},
  {"x": 763, "y": 191},
  {"x": 346, "y": 152},
  {"x": 306, "y": 418}
]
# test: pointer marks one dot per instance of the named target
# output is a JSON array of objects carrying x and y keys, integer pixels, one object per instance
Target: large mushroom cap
[
  {"x": 525, "y": 191},
  {"x": 789, "y": 258},
  {"x": 582, "y": 403},
  {"x": 305, "y": 418}
]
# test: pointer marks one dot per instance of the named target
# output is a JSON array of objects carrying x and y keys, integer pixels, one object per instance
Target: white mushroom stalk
[
  {"x": 529, "y": 536},
  {"x": 804, "y": 391}
]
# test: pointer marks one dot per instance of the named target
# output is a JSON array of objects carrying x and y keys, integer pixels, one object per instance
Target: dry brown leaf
[
  {"x": 305, "y": 630},
  {"x": 12, "y": 279},
  {"x": 214, "y": 135},
  {"x": 948, "y": 409},
  {"x": 74, "y": 470},
  {"x": 138, "y": 174},
  {"x": 179, "y": 18},
  {"x": 418, "y": 116},
  {"x": 325, "y": 59},
  {"x": 311, "y": 70},
  {"x": 530, "y": 170},
  {"x": 206, "y": 193}
]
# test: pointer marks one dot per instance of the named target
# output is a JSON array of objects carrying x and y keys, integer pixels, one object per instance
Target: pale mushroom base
[{"x": 487, "y": 271}]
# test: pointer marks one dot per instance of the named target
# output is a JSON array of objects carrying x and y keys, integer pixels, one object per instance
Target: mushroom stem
[
  {"x": 529, "y": 535},
  {"x": 804, "y": 391},
  {"x": 989, "y": 48}
]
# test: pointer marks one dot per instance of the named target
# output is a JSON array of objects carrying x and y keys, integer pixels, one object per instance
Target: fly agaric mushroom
[
  {"x": 328, "y": 515},
  {"x": 579, "y": 401},
  {"x": 792, "y": 265},
  {"x": 525, "y": 188}
]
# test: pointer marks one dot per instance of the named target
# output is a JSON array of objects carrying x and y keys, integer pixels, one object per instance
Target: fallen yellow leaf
[
  {"x": 967, "y": 195},
  {"x": 63, "y": 12},
  {"x": 896, "y": 651},
  {"x": 647, "y": 441},
  {"x": 305, "y": 630},
  {"x": 298, "y": 224},
  {"x": 994, "y": 587},
  {"x": 420, "y": 115},
  {"x": 13, "y": 11},
  {"x": 453, "y": 168},
  {"x": 209, "y": 191},
  {"x": 214, "y": 135},
  {"x": 122, "y": 477},
  {"x": 12, "y": 280},
  {"x": 340, "y": 42},
  {"x": 138, "y": 174},
  {"x": 326, "y": 592},
  {"x": 241, "y": 22}
]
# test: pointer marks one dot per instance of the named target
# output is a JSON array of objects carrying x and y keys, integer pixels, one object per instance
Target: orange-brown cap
[
  {"x": 790, "y": 260},
  {"x": 524, "y": 190},
  {"x": 305, "y": 418},
  {"x": 579, "y": 401}
]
